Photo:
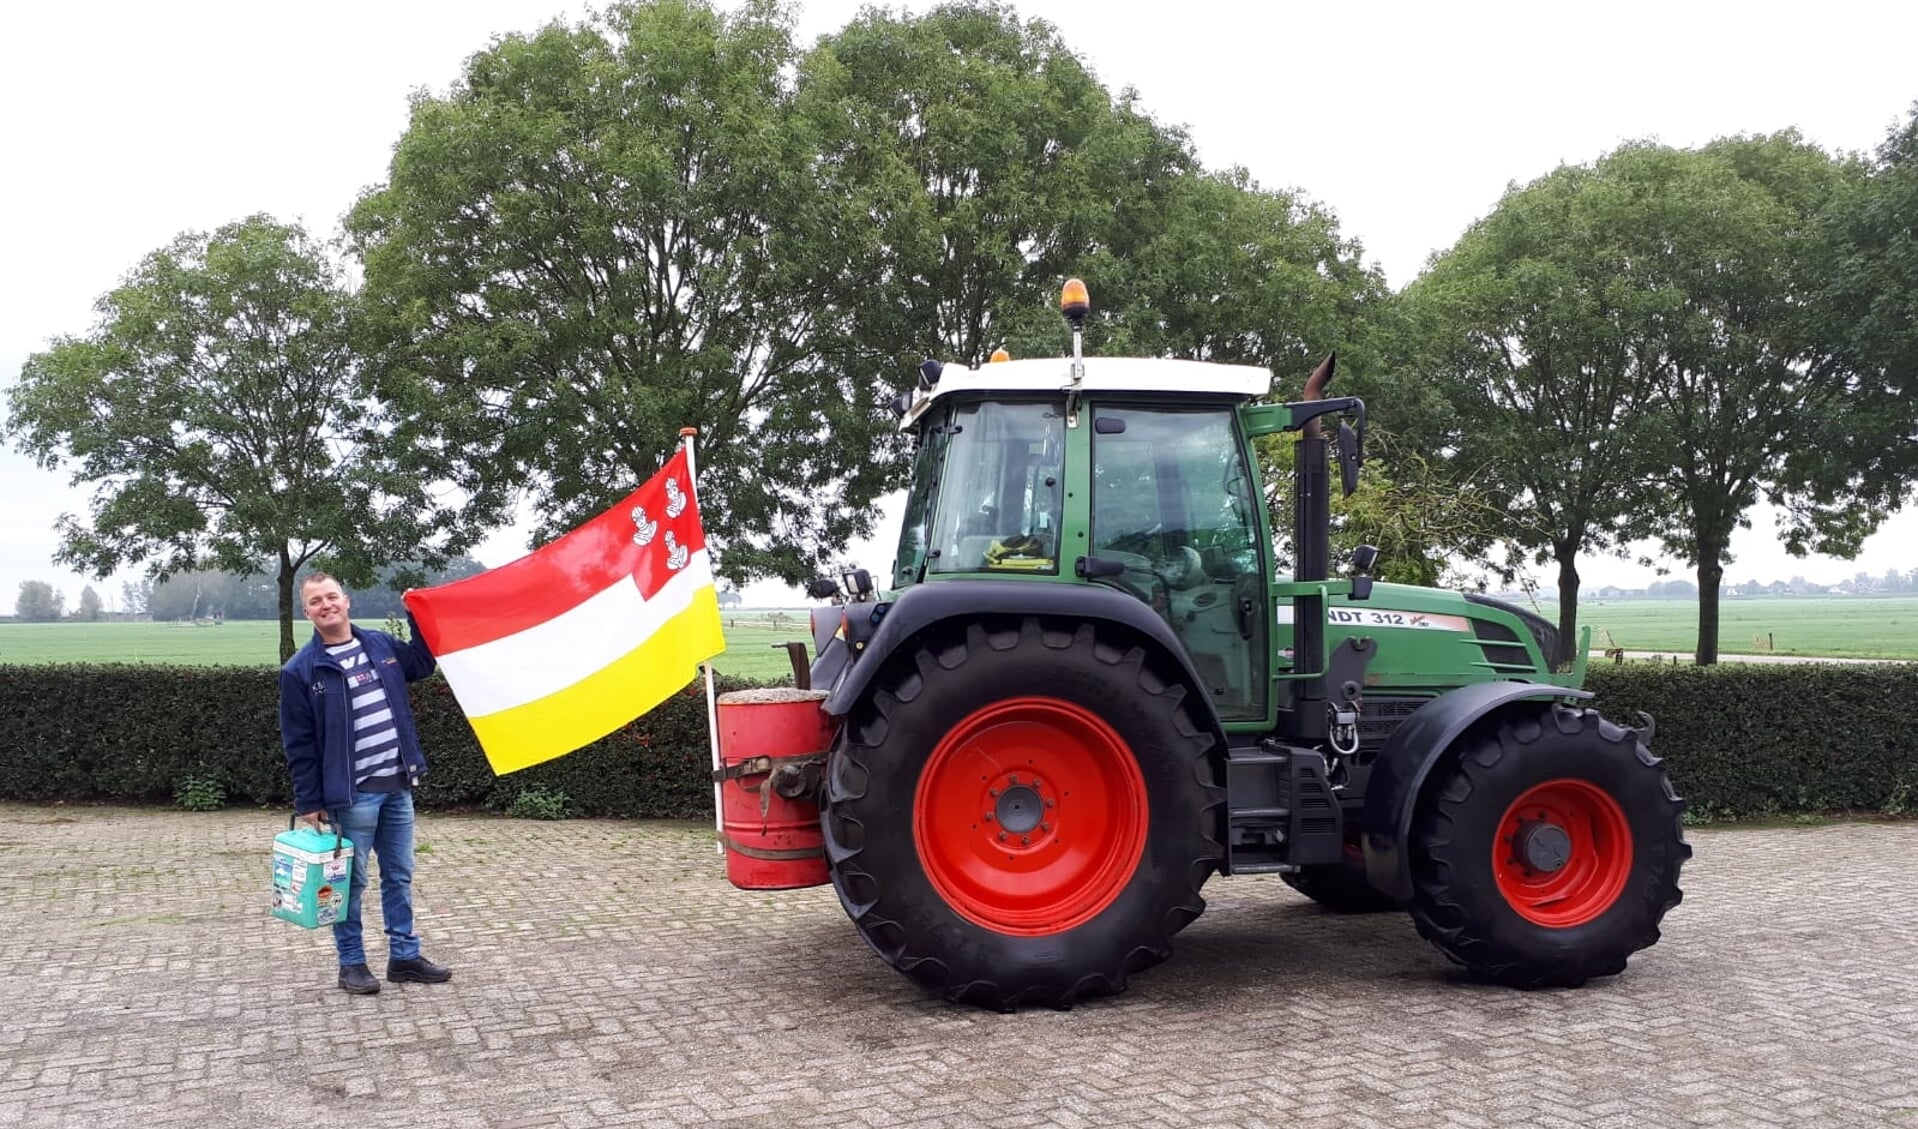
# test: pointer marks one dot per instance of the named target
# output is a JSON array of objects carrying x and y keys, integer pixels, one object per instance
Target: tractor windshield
[
  {"x": 908, "y": 564},
  {"x": 999, "y": 490}
]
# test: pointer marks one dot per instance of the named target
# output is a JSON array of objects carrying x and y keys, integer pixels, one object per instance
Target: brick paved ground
[{"x": 607, "y": 975}]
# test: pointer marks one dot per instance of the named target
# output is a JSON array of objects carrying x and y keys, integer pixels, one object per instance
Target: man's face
[{"x": 327, "y": 606}]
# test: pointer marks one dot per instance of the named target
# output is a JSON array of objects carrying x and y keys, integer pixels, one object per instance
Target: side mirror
[
  {"x": 1351, "y": 453},
  {"x": 857, "y": 583},
  {"x": 1363, "y": 558}
]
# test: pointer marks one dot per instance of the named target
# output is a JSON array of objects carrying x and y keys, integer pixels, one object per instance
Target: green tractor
[{"x": 1088, "y": 689}]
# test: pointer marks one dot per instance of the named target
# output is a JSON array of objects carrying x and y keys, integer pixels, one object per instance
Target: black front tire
[
  {"x": 893, "y": 847},
  {"x": 1477, "y": 895}
]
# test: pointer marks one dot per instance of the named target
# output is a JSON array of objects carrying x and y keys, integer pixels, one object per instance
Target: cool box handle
[{"x": 339, "y": 836}]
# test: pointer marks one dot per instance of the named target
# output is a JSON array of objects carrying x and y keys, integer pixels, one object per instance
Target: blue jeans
[{"x": 379, "y": 823}]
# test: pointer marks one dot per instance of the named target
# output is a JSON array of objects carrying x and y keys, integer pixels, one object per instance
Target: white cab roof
[{"x": 1102, "y": 375}]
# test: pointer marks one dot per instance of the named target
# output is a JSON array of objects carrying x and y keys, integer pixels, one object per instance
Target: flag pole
[{"x": 686, "y": 437}]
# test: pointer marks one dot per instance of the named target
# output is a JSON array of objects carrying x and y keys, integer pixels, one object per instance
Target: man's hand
[{"x": 312, "y": 819}]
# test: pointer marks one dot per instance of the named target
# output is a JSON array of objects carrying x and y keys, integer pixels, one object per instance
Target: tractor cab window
[
  {"x": 1000, "y": 490},
  {"x": 1172, "y": 501}
]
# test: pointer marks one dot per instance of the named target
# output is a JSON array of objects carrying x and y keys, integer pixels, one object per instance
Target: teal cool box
[{"x": 312, "y": 872}]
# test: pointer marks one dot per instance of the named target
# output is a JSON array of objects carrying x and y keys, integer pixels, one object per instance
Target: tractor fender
[
  {"x": 1392, "y": 791},
  {"x": 925, "y": 606}
]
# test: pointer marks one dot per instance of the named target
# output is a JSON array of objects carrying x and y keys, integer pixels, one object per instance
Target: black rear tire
[
  {"x": 927, "y": 876},
  {"x": 1546, "y": 849},
  {"x": 1341, "y": 886}
]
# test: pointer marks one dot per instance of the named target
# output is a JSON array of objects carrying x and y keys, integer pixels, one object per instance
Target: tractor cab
[{"x": 1135, "y": 477}]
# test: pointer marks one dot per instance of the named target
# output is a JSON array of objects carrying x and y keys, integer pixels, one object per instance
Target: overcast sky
[{"x": 128, "y": 123}]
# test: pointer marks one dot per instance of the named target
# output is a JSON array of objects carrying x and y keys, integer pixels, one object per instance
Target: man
[{"x": 354, "y": 757}]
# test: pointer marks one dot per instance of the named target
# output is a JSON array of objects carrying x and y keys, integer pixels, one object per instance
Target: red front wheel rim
[
  {"x": 1030, "y": 817},
  {"x": 1563, "y": 853}
]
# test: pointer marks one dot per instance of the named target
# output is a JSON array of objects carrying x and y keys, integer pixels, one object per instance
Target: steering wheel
[
  {"x": 1186, "y": 569},
  {"x": 1140, "y": 578}
]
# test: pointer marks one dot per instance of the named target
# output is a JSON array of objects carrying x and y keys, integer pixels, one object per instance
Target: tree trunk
[
  {"x": 1567, "y": 556},
  {"x": 1711, "y": 570},
  {"x": 286, "y": 605}
]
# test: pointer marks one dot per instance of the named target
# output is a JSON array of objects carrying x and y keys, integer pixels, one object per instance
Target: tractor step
[
  {"x": 1260, "y": 815},
  {"x": 1283, "y": 810},
  {"x": 1249, "y": 867}
]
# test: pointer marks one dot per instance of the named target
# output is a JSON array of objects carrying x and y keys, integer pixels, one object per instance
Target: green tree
[
  {"x": 135, "y": 594},
  {"x": 383, "y": 598},
  {"x": 1431, "y": 526},
  {"x": 202, "y": 593},
  {"x": 39, "y": 602},
  {"x": 1225, "y": 270},
  {"x": 1535, "y": 326},
  {"x": 188, "y": 594},
  {"x": 1649, "y": 346},
  {"x": 1757, "y": 393},
  {"x": 199, "y": 593},
  {"x": 89, "y": 609},
  {"x": 218, "y": 410},
  {"x": 994, "y": 165},
  {"x": 1873, "y": 294},
  {"x": 608, "y": 231}
]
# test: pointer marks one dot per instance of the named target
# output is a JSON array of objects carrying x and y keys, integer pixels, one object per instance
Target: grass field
[
  {"x": 1825, "y": 626},
  {"x": 1865, "y": 627},
  {"x": 751, "y": 639}
]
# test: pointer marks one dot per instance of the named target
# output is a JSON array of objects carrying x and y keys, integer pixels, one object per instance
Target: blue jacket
[{"x": 316, "y": 723}]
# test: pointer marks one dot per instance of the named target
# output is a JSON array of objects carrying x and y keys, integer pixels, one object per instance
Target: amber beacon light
[{"x": 1074, "y": 303}]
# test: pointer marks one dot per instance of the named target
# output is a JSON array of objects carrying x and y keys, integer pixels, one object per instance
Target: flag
[{"x": 565, "y": 645}]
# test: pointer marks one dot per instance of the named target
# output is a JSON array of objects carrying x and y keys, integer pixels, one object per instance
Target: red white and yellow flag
[{"x": 561, "y": 647}]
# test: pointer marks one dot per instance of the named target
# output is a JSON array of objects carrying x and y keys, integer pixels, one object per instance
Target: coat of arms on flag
[{"x": 565, "y": 645}]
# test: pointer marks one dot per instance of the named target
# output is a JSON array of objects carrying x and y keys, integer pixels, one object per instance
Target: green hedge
[
  {"x": 1743, "y": 740},
  {"x": 1740, "y": 741},
  {"x": 135, "y": 734}
]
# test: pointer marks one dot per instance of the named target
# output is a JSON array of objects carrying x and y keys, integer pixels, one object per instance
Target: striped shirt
[{"x": 376, "y": 740}]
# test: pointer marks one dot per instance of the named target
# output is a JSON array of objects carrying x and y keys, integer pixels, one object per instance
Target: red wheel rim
[
  {"x": 1563, "y": 853},
  {"x": 1030, "y": 816}
]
